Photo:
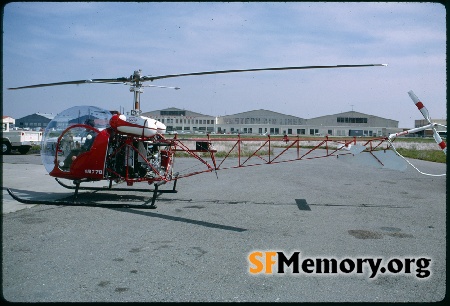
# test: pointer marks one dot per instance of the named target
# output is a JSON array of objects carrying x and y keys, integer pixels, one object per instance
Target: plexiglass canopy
[{"x": 65, "y": 121}]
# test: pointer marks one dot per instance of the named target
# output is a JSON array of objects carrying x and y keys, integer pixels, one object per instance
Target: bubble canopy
[{"x": 70, "y": 121}]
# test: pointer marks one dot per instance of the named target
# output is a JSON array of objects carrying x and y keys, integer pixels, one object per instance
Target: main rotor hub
[{"x": 136, "y": 77}]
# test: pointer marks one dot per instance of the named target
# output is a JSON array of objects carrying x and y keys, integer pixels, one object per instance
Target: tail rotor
[
  {"x": 430, "y": 125},
  {"x": 426, "y": 115}
]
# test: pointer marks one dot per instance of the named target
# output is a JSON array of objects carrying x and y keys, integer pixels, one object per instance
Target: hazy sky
[{"x": 55, "y": 42}]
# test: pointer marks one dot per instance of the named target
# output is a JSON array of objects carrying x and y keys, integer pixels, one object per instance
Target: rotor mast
[{"x": 136, "y": 88}]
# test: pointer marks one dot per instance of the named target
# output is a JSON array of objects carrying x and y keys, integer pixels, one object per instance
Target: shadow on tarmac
[{"x": 180, "y": 219}]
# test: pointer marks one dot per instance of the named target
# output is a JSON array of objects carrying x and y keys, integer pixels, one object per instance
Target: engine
[{"x": 137, "y": 159}]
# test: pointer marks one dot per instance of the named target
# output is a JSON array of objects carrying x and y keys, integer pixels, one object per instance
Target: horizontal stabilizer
[
  {"x": 386, "y": 159},
  {"x": 356, "y": 149}
]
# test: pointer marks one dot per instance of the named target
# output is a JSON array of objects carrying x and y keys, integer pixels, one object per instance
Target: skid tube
[
  {"x": 110, "y": 188},
  {"x": 156, "y": 193},
  {"x": 73, "y": 203}
]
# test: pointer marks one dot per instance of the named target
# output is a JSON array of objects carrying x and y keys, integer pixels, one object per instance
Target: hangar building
[
  {"x": 268, "y": 122},
  {"x": 353, "y": 124},
  {"x": 35, "y": 121},
  {"x": 260, "y": 122},
  {"x": 429, "y": 132},
  {"x": 185, "y": 121}
]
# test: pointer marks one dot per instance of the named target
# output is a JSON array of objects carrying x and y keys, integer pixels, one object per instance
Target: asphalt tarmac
[{"x": 195, "y": 246}]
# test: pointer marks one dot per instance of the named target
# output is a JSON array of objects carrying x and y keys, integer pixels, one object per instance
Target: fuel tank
[{"x": 137, "y": 125}]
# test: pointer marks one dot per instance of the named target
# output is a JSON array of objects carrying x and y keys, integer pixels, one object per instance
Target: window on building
[
  {"x": 313, "y": 131},
  {"x": 173, "y": 113},
  {"x": 351, "y": 120}
]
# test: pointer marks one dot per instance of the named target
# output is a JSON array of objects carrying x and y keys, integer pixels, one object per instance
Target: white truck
[{"x": 20, "y": 140}]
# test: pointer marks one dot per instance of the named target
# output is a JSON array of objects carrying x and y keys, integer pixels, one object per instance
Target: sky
[{"x": 46, "y": 42}]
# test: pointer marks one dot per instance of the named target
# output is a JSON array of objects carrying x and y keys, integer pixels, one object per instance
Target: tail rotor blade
[
  {"x": 426, "y": 115},
  {"x": 439, "y": 141},
  {"x": 420, "y": 106}
]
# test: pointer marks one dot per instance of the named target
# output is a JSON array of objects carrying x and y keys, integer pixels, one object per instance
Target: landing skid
[
  {"x": 73, "y": 203},
  {"x": 111, "y": 188},
  {"x": 77, "y": 187}
]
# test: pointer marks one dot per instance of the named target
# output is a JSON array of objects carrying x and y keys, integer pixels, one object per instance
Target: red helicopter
[{"x": 87, "y": 143}]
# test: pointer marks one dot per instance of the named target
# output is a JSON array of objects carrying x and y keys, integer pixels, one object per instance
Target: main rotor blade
[
  {"x": 152, "y": 78},
  {"x": 110, "y": 81}
]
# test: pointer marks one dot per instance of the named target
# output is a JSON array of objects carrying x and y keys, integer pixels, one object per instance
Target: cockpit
[{"x": 71, "y": 133}]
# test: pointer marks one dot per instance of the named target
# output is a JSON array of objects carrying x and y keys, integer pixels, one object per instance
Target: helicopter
[{"x": 88, "y": 144}]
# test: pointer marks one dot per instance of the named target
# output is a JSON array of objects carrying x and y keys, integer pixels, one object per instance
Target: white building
[
  {"x": 8, "y": 123},
  {"x": 260, "y": 122},
  {"x": 429, "y": 132},
  {"x": 352, "y": 124},
  {"x": 185, "y": 121}
]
